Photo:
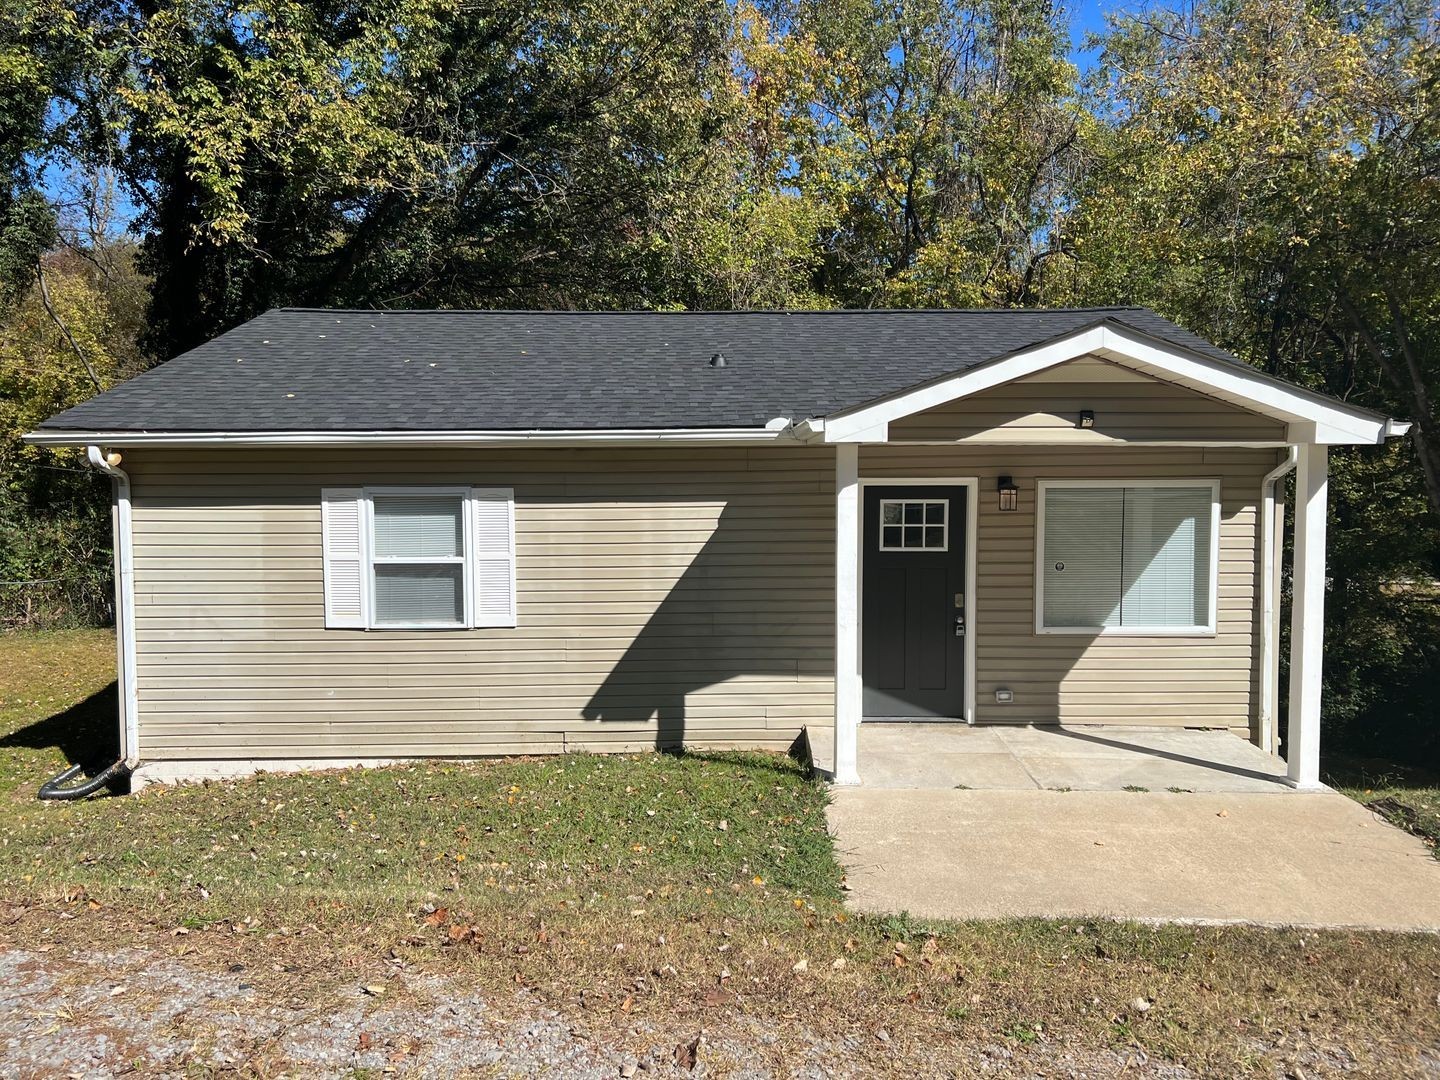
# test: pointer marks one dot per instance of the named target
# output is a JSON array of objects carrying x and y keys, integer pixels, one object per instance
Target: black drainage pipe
[{"x": 55, "y": 788}]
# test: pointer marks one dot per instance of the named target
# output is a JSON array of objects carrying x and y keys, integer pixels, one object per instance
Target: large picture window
[{"x": 1123, "y": 557}]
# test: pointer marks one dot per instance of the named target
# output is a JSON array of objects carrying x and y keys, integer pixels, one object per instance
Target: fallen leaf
[
  {"x": 436, "y": 917},
  {"x": 688, "y": 1053},
  {"x": 366, "y": 1040},
  {"x": 801, "y": 965},
  {"x": 116, "y": 991},
  {"x": 374, "y": 990}
]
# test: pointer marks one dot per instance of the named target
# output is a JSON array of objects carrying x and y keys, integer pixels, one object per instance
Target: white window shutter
[
  {"x": 492, "y": 556},
  {"x": 343, "y": 540}
]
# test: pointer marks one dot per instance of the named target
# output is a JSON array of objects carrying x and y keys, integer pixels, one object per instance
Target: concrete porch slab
[
  {"x": 1311, "y": 859},
  {"x": 1091, "y": 758}
]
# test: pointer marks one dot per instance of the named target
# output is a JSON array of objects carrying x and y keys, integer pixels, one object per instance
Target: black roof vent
[{"x": 718, "y": 360}]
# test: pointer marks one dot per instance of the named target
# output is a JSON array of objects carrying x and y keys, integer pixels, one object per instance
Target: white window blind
[
  {"x": 1127, "y": 556},
  {"x": 418, "y": 525},
  {"x": 1165, "y": 560},
  {"x": 1083, "y": 528},
  {"x": 419, "y": 558},
  {"x": 419, "y": 594}
]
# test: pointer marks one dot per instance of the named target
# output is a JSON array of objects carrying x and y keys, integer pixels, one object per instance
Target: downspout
[
  {"x": 1269, "y": 603},
  {"x": 56, "y": 788}
]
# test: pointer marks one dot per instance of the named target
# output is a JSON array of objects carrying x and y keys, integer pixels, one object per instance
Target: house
[{"x": 359, "y": 536}]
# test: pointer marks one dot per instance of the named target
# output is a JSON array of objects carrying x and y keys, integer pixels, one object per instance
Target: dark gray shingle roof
[{"x": 321, "y": 370}]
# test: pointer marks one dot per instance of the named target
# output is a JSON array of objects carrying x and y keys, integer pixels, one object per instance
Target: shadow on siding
[{"x": 730, "y": 613}]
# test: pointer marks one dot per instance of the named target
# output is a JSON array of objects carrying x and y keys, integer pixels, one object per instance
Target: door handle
[{"x": 960, "y": 625}]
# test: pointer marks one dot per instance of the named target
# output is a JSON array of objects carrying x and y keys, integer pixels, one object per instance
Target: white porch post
[
  {"x": 1307, "y": 618},
  {"x": 847, "y": 612}
]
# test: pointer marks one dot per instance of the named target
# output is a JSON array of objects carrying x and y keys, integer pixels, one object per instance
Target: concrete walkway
[
  {"x": 1315, "y": 859},
  {"x": 1090, "y": 758}
]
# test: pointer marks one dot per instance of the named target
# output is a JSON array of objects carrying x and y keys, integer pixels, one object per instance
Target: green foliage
[
  {"x": 940, "y": 139},
  {"x": 54, "y": 511},
  {"x": 423, "y": 152}
]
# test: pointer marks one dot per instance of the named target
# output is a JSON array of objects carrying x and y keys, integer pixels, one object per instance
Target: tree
[
  {"x": 54, "y": 519},
  {"x": 403, "y": 152},
  {"x": 942, "y": 141}
]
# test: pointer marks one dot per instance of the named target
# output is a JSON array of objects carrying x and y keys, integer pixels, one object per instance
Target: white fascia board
[
  {"x": 629, "y": 436},
  {"x": 1332, "y": 422}
]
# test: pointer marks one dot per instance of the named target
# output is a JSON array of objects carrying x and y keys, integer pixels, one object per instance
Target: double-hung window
[
  {"x": 1127, "y": 557},
  {"x": 419, "y": 558}
]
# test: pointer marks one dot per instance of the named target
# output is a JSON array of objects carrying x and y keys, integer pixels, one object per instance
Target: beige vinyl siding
[
  {"x": 671, "y": 594},
  {"x": 1080, "y": 678},
  {"x": 1045, "y": 408}
]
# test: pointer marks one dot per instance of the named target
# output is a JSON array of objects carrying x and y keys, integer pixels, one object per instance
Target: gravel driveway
[{"x": 135, "y": 1012}]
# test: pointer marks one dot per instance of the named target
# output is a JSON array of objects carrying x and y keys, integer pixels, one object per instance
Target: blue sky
[{"x": 1087, "y": 16}]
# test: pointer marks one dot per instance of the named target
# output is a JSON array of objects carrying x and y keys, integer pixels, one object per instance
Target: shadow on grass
[
  {"x": 87, "y": 733},
  {"x": 796, "y": 761}
]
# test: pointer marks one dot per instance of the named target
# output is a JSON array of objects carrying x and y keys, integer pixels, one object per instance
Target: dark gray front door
[{"x": 913, "y": 602}]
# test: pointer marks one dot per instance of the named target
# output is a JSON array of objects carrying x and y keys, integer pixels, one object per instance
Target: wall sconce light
[
  {"x": 1009, "y": 494},
  {"x": 1004, "y": 695},
  {"x": 1087, "y": 418}
]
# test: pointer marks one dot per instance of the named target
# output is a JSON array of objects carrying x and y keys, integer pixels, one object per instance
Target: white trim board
[
  {"x": 1312, "y": 417},
  {"x": 971, "y": 484}
]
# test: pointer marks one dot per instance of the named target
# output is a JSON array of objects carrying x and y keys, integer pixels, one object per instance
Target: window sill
[
  {"x": 419, "y": 626},
  {"x": 1131, "y": 631}
]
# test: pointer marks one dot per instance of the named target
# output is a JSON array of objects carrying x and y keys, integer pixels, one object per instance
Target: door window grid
[{"x": 914, "y": 524}]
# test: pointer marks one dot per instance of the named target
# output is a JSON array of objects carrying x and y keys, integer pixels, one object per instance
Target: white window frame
[
  {"x": 1213, "y": 592},
  {"x": 367, "y": 511},
  {"x": 944, "y": 504}
]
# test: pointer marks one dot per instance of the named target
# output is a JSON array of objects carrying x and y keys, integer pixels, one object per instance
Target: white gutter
[
  {"x": 776, "y": 430},
  {"x": 809, "y": 429},
  {"x": 1269, "y": 606},
  {"x": 109, "y": 464}
]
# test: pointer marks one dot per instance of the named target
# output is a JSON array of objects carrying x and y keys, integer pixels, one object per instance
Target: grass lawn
[
  {"x": 678, "y": 890},
  {"x": 1409, "y": 798}
]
